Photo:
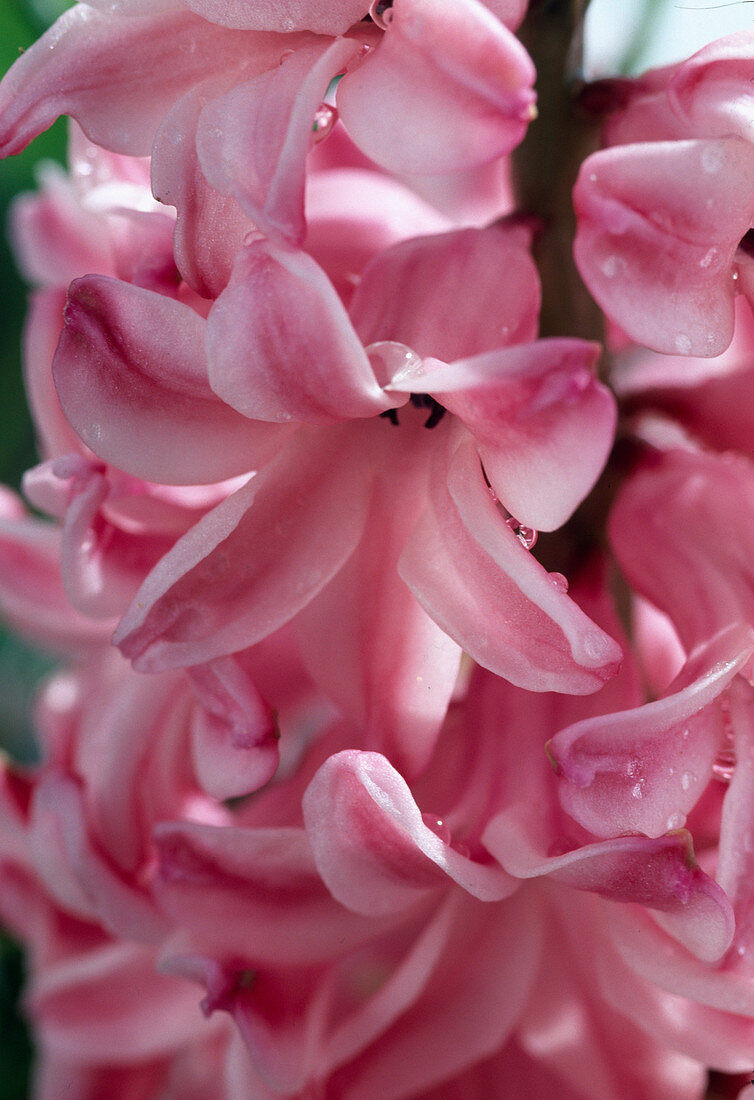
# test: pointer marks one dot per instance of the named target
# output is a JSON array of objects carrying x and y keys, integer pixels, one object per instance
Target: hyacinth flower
[
  {"x": 226, "y": 103},
  {"x": 344, "y": 471},
  {"x": 666, "y": 257}
]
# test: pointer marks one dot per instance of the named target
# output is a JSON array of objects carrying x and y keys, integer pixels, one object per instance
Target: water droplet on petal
[
  {"x": 637, "y": 789},
  {"x": 325, "y": 118},
  {"x": 724, "y": 765},
  {"x": 381, "y": 13},
  {"x": 682, "y": 343},
  {"x": 559, "y": 581},
  {"x": 675, "y": 821},
  {"x": 285, "y": 55},
  {"x": 393, "y": 362},
  {"x": 687, "y": 779},
  {"x": 527, "y": 536},
  {"x": 438, "y": 827},
  {"x": 713, "y": 159}
]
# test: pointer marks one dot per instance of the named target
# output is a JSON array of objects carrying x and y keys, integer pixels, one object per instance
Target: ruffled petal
[
  {"x": 254, "y": 561},
  {"x": 234, "y": 738},
  {"x": 320, "y": 16},
  {"x": 132, "y": 379},
  {"x": 642, "y": 770},
  {"x": 372, "y": 848},
  {"x": 472, "y": 575},
  {"x": 280, "y": 344},
  {"x": 543, "y": 423},
  {"x": 659, "y": 225},
  {"x": 451, "y": 295},
  {"x": 117, "y": 75},
  {"x": 253, "y": 140},
  {"x": 467, "y": 78}
]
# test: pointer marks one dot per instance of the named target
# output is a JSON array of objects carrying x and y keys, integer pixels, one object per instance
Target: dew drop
[
  {"x": 686, "y": 780},
  {"x": 636, "y": 790},
  {"x": 557, "y": 580},
  {"x": 381, "y": 13},
  {"x": 713, "y": 159},
  {"x": 325, "y": 118},
  {"x": 527, "y": 536},
  {"x": 710, "y": 257},
  {"x": 438, "y": 827},
  {"x": 682, "y": 343},
  {"x": 675, "y": 821},
  {"x": 285, "y": 55},
  {"x": 392, "y": 361}
]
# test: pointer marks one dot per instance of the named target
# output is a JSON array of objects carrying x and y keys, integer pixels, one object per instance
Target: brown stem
[{"x": 546, "y": 164}]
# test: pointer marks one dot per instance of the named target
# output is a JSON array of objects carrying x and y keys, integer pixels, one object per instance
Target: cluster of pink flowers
[{"x": 345, "y": 790}]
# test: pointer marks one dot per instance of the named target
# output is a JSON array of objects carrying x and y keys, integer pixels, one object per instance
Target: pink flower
[
  {"x": 229, "y": 118},
  {"x": 663, "y": 213},
  {"x": 306, "y": 525}
]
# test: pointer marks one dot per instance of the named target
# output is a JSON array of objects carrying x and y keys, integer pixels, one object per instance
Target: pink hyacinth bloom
[
  {"x": 229, "y": 119},
  {"x": 530, "y": 413},
  {"x": 662, "y": 213}
]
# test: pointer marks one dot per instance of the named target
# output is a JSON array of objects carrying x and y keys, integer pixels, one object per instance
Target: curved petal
[
  {"x": 543, "y": 423},
  {"x": 320, "y": 16},
  {"x": 116, "y": 75},
  {"x": 234, "y": 737},
  {"x": 665, "y": 529},
  {"x": 442, "y": 295},
  {"x": 210, "y": 226},
  {"x": 642, "y": 770},
  {"x": 132, "y": 379},
  {"x": 371, "y": 846},
  {"x": 655, "y": 249},
  {"x": 254, "y": 561},
  {"x": 253, "y": 140},
  {"x": 467, "y": 78},
  {"x": 254, "y": 894},
  {"x": 280, "y": 344},
  {"x": 473, "y": 576}
]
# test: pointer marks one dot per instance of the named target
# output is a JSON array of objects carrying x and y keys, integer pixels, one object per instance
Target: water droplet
[
  {"x": 557, "y": 580},
  {"x": 713, "y": 159},
  {"x": 682, "y": 343},
  {"x": 724, "y": 766},
  {"x": 675, "y": 821},
  {"x": 527, "y": 536},
  {"x": 325, "y": 118},
  {"x": 710, "y": 257},
  {"x": 438, "y": 827},
  {"x": 381, "y": 12},
  {"x": 636, "y": 790},
  {"x": 741, "y": 950},
  {"x": 285, "y": 55},
  {"x": 687, "y": 779},
  {"x": 393, "y": 362}
]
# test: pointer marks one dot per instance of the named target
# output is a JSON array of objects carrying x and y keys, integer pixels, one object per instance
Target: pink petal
[
  {"x": 321, "y": 16},
  {"x": 132, "y": 379},
  {"x": 543, "y": 423},
  {"x": 372, "y": 848},
  {"x": 116, "y": 75},
  {"x": 657, "y": 252},
  {"x": 712, "y": 91},
  {"x": 382, "y": 660},
  {"x": 279, "y": 312},
  {"x": 468, "y": 81},
  {"x": 473, "y": 576},
  {"x": 233, "y": 735},
  {"x": 289, "y": 529},
  {"x": 253, "y": 140},
  {"x": 254, "y": 894},
  {"x": 44, "y": 322},
  {"x": 642, "y": 770},
  {"x": 32, "y": 597},
  {"x": 210, "y": 227},
  {"x": 665, "y": 530},
  {"x": 434, "y": 293},
  {"x": 111, "y": 1005}
]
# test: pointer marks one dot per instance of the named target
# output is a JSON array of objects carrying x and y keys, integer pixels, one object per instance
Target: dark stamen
[
  {"x": 391, "y": 415},
  {"x": 747, "y": 243},
  {"x": 424, "y": 401}
]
